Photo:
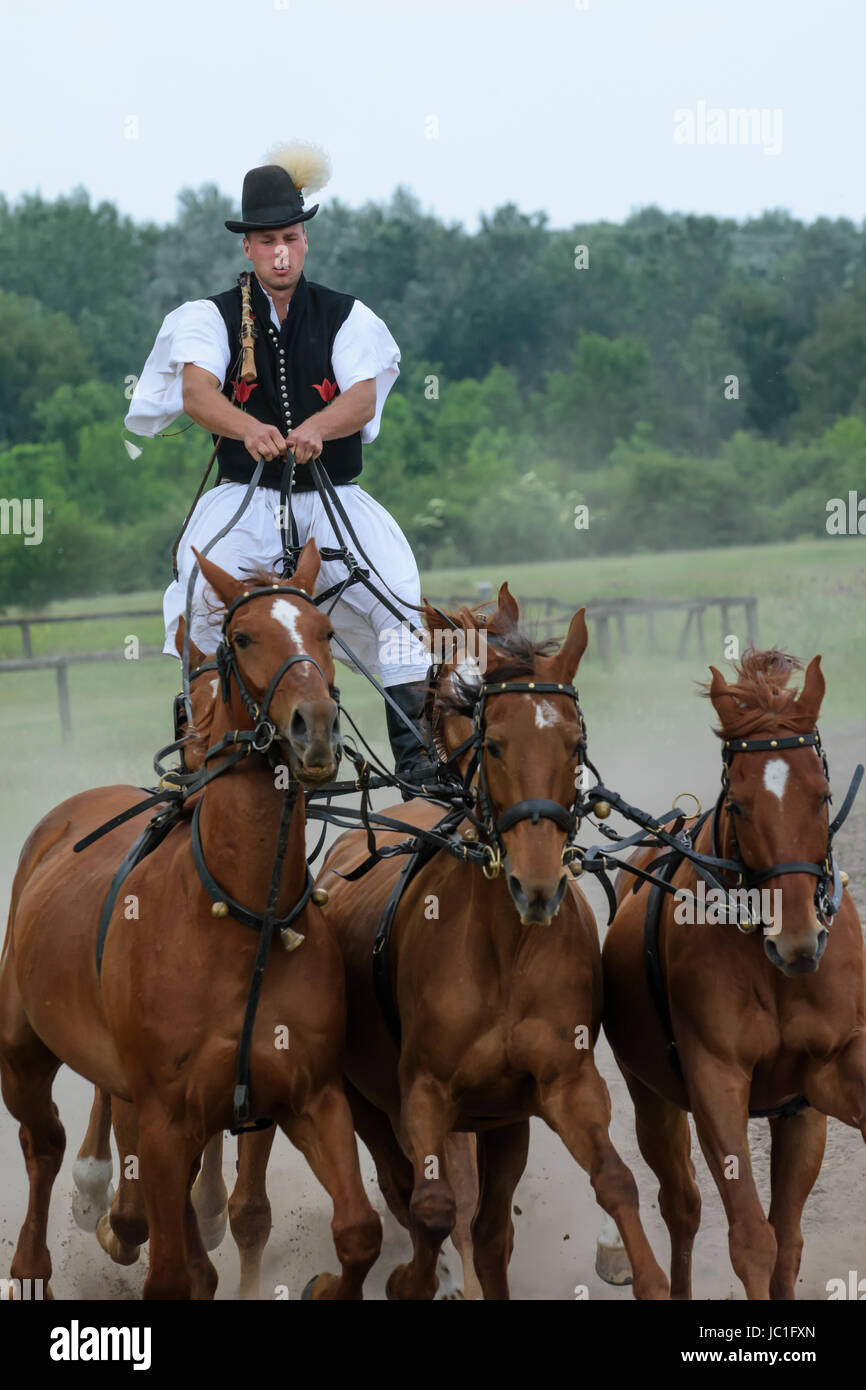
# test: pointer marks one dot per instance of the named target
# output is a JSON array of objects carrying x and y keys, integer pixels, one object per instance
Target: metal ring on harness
[{"x": 692, "y": 797}]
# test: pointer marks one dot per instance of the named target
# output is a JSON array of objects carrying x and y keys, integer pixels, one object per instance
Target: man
[{"x": 325, "y": 364}]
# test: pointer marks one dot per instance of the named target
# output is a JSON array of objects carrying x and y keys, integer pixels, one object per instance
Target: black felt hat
[{"x": 270, "y": 199}]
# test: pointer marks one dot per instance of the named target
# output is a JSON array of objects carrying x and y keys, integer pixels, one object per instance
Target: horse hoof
[
  {"x": 113, "y": 1246},
  {"x": 93, "y": 1193},
  {"x": 612, "y": 1265},
  {"x": 212, "y": 1228}
]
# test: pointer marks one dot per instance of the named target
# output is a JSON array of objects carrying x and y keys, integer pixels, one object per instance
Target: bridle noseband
[{"x": 828, "y": 893}]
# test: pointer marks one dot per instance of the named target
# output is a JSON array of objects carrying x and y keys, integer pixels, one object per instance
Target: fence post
[
  {"x": 63, "y": 700},
  {"x": 681, "y": 650},
  {"x": 602, "y": 638},
  {"x": 752, "y": 620},
  {"x": 26, "y": 643},
  {"x": 623, "y": 644}
]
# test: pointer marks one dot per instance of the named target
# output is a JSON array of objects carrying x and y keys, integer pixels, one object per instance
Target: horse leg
[
  {"x": 394, "y": 1175},
  {"x": 577, "y": 1107},
  {"x": 663, "y": 1137},
  {"x": 425, "y": 1122},
  {"x": 249, "y": 1208},
  {"x": 27, "y": 1071},
  {"x": 720, "y": 1105},
  {"x": 393, "y": 1169},
  {"x": 123, "y": 1229},
  {"x": 462, "y": 1170},
  {"x": 501, "y": 1161},
  {"x": 796, "y": 1155},
  {"x": 179, "y": 1266},
  {"x": 92, "y": 1169},
  {"x": 325, "y": 1135},
  {"x": 209, "y": 1195}
]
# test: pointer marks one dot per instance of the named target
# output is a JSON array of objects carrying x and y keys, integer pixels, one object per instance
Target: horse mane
[
  {"x": 766, "y": 701},
  {"x": 511, "y": 651}
]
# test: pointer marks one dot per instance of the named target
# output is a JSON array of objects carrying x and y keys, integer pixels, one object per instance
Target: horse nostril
[{"x": 298, "y": 731}]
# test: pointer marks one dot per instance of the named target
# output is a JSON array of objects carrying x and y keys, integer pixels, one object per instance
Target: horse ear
[
  {"x": 225, "y": 586},
  {"x": 307, "y": 569},
  {"x": 724, "y": 703},
  {"x": 810, "y": 697},
  {"x": 508, "y": 604},
  {"x": 435, "y": 620},
  {"x": 574, "y": 646},
  {"x": 196, "y": 656}
]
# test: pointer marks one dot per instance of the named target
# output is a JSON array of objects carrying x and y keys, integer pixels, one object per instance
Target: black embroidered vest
[{"x": 290, "y": 363}]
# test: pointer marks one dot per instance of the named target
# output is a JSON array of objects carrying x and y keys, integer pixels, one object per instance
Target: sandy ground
[{"x": 558, "y": 1220}]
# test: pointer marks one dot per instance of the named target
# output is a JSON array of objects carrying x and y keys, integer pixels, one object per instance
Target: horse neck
[{"x": 239, "y": 825}]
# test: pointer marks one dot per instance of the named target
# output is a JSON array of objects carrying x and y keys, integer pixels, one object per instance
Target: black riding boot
[{"x": 411, "y": 761}]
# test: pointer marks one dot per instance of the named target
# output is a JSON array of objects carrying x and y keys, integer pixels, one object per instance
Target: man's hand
[
  {"x": 306, "y": 441},
  {"x": 264, "y": 441}
]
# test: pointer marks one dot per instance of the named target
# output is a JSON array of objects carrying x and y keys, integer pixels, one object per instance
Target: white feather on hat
[{"x": 307, "y": 165}]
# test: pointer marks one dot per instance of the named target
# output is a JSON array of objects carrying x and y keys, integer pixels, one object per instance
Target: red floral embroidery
[
  {"x": 243, "y": 390},
  {"x": 327, "y": 390}
]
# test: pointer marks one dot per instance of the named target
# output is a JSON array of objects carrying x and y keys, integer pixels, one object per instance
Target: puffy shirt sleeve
[
  {"x": 193, "y": 333},
  {"x": 364, "y": 349}
]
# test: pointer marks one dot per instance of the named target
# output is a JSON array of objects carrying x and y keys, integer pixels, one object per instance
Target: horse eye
[
  {"x": 494, "y": 750},
  {"x": 734, "y": 808},
  {"x": 242, "y": 639}
]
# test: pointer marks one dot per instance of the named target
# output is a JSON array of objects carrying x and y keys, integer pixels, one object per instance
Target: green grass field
[{"x": 811, "y": 598}]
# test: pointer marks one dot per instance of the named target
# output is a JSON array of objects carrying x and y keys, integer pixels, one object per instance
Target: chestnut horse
[
  {"x": 496, "y": 977},
  {"x": 159, "y": 1030},
  {"x": 760, "y": 1021}
]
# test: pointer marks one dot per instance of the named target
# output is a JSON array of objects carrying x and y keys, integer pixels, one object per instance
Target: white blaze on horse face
[
  {"x": 469, "y": 672},
  {"x": 285, "y": 613},
  {"x": 545, "y": 715},
  {"x": 776, "y": 776}
]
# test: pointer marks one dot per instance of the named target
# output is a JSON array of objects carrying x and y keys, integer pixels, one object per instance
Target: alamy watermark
[
  {"x": 22, "y": 516},
  {"x": 401, "y": 646},
  {"x": 746, "y": 906},
  {"x": 734, "y": 125}
]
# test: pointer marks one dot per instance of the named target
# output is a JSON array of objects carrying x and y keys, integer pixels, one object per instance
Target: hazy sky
[{"x": 563, "y": 105}]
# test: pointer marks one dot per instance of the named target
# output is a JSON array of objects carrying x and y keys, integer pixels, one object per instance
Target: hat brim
[{"x": 272, "y": 226}]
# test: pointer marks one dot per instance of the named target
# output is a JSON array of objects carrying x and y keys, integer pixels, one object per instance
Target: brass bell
[
  {"x": 320, "y": 896},
  {"x": 601, "y": 810},
  {"x": 470, "y": 834},
  {"x": 219, "y": 910},
  {"x": 291, "y": 939},
  {"x": 576, "y": 868},
  {"x": 844, "y": 878}
]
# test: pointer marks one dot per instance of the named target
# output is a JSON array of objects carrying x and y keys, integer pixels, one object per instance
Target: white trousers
[{"x": 386, "y": 647}]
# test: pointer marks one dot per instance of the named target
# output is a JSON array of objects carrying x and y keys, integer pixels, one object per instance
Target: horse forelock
[{"x": 765, "y": 702}]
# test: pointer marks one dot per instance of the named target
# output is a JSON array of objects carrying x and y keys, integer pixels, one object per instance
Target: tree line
[{"x": 669, "y": 382}]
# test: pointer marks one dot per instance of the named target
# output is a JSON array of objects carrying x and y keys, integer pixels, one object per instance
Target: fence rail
[{"x": 550, "y": 616}]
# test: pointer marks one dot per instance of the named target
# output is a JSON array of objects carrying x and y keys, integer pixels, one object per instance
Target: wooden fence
[{"x": 549, "y": 616}]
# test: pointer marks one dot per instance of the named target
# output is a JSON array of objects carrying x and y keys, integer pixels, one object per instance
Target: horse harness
[
  {"x": 261, "y": 740},
  {"x": 828, "y": 894},
  {"x": 489, "y": 850}
]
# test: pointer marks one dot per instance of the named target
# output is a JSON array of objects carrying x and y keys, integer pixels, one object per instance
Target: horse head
[
  {"x": 276, "y": 664},
  {"x": 527, "y": 743},
  {"x": 777, "y": 798}
]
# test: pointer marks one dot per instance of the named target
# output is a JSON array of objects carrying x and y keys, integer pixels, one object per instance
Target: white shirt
[{"x": 196, "y": 332}]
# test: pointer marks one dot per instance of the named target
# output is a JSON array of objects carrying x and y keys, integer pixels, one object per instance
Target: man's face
[{"x": 277, "y": 256}]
